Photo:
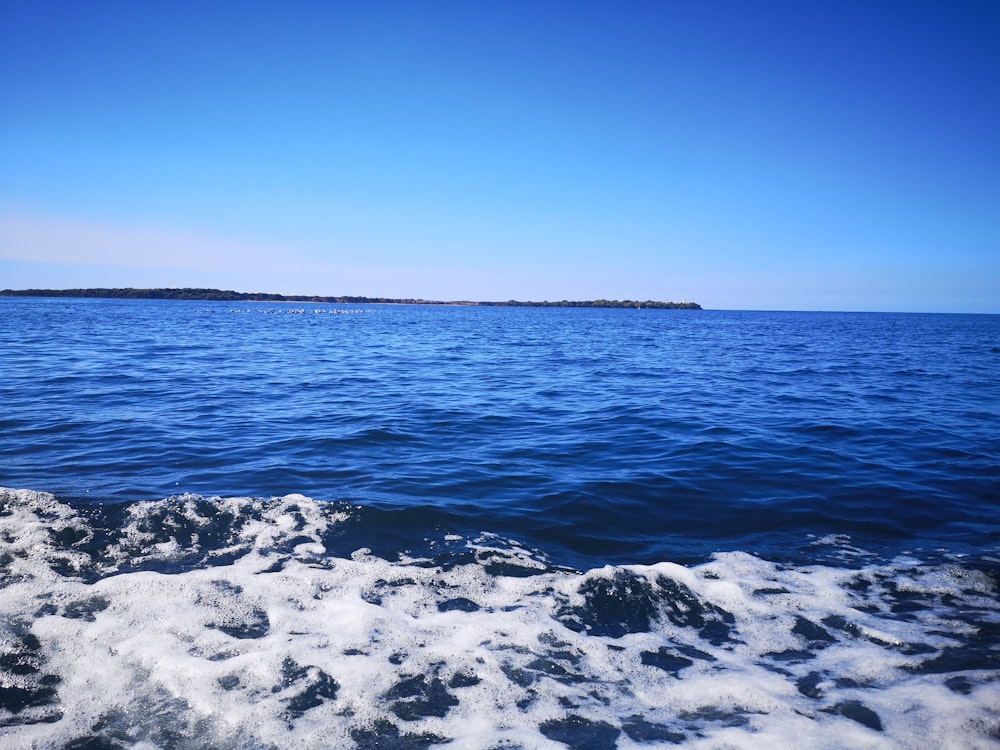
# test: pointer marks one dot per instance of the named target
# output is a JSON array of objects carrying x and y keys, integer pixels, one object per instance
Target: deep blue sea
[{"x": 257, "y": 525}]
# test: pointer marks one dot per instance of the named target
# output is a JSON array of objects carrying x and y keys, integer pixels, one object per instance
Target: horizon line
[{"x": 211, "y": 294}]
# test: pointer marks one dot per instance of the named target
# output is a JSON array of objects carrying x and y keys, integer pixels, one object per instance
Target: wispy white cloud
[
  {"x": 58, "y": 240},
  {"x": 134, "y": 255},
  {"x": 40, "y": 251}
]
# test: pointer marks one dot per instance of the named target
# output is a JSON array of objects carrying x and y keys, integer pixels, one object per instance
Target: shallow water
[{"x": 403, "y": 526}]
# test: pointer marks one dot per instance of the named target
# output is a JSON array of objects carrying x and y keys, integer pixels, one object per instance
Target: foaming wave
[{"x": 237, "y": 623}]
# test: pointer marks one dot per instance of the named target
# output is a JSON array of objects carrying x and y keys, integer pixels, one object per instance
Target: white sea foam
[{"x": 269, "y": 641}]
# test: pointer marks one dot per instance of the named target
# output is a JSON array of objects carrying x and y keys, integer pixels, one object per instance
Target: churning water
[{"x": 269, "y": 525}]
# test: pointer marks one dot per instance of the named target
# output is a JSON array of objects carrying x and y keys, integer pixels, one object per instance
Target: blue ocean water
[{"x": 274, "y": 525}]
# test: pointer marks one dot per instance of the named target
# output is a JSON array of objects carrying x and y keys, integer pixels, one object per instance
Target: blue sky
[{"x": 745, "y": 155}]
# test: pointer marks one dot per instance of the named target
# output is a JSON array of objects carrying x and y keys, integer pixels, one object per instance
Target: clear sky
[{"x": 828, "y": 154}]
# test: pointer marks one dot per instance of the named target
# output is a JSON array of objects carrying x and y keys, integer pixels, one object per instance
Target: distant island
[{"x": 230, "y": 296}]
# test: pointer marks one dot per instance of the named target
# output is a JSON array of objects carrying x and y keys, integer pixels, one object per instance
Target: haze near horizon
[{"x": 775, "y": 155}]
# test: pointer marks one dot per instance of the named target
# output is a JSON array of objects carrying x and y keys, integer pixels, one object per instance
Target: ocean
[{"x": 277, "y": 525}]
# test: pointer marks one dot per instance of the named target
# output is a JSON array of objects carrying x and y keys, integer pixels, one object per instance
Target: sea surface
[{"x": 273, "y": 525}]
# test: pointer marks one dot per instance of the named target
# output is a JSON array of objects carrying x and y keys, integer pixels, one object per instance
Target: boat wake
[{"x": 236, "y": 623}]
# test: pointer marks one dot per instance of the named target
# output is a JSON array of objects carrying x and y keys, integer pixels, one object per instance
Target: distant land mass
[{"x": 230, "y": 296}]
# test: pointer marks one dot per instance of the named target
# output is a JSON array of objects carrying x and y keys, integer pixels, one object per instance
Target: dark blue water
[
  {"x": 601, "y": 435},
  {"x": 519, "y": 443}
]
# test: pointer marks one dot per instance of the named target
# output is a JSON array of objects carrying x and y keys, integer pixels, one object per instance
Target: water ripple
[{"x": 630, "y": 432}]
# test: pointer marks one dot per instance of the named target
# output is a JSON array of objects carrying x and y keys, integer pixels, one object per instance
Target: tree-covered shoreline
[{"x": 231, "y": 296}]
